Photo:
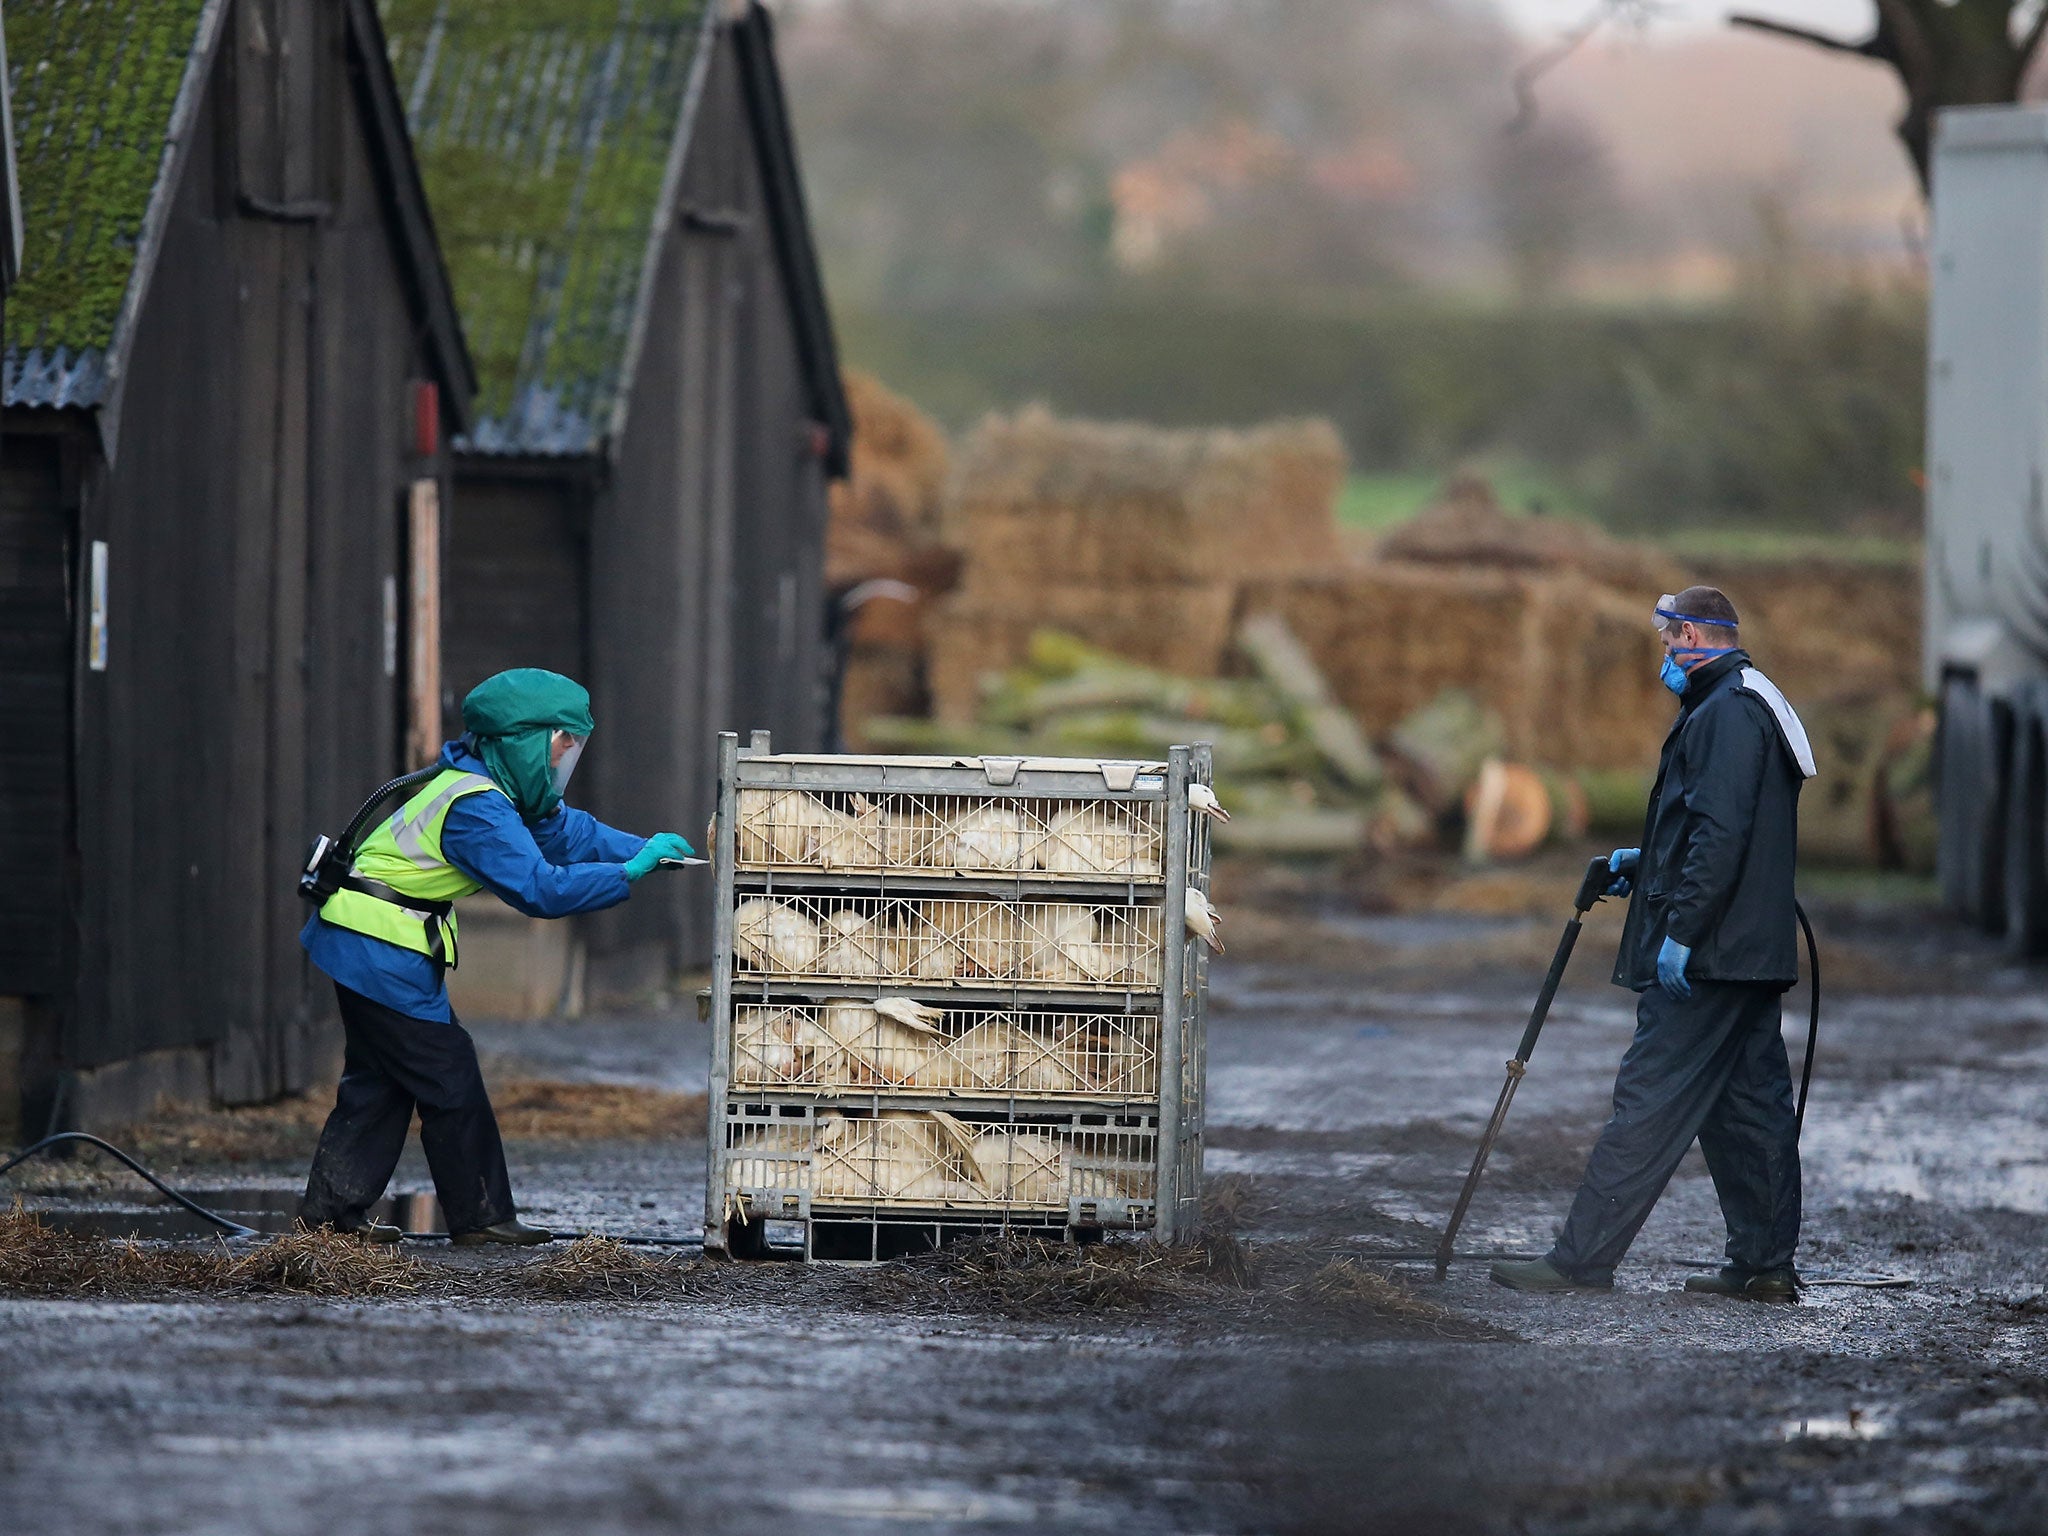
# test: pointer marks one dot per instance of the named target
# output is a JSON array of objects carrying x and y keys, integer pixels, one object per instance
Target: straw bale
[
  {"x": 1467, "y": 528},
  {"x": 1569, "y": 665},
  {"x": 540, "y": 1109},
  {"x": 890, "y": 503},
  {"x": 1390, "y": 638},
  {"x": 1053, "y": 502},
  {"x": 885, "y": 644},
  {"x": 1177, "y": 627},
  {"x": 1821, "y": 627},
  {"x": 1596, "y": 700}
]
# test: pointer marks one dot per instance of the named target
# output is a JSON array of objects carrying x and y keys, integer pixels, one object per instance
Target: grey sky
[{"x": 1845, "y": 18}]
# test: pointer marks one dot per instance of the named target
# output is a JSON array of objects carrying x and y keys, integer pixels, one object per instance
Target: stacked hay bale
[
  {"x": 886, "y": 527},
  {"x": 1826, "y": 627},
  {"x": 1841, "y": 636},
  {"x": 1136, "y": 540},
  {"x": 1569, "y": 664}
]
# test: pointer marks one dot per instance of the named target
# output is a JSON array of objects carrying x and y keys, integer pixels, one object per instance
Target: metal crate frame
[{"x": 1174, "y": 1015}]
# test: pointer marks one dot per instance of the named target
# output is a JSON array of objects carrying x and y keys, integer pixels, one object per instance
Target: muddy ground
[{"x": 1359, "y": 1026}]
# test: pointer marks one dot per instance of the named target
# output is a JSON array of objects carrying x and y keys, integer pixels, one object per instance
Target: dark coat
[{"x": 1720, "y": 840}]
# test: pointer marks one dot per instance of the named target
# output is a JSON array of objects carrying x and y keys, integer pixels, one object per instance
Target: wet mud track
[{"x": 1347, "y": 1084}]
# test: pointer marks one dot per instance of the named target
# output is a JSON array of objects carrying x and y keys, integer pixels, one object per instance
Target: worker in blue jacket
[
  {"x": 491, "y": 819},
  {"x": 1709, "y": 948}
]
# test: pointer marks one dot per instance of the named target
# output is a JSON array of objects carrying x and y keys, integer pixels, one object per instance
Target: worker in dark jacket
[
  {"x": 491, "y": 819},
  {"x": 1709, "y": 949}
]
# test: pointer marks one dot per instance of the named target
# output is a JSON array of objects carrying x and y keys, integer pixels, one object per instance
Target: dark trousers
[
  {"x": 394, "y": 1064},
  {"x": 1710, "y": 1066}
]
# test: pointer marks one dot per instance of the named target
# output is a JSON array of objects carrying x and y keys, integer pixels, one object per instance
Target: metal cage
[{"x": 940, "y": 999}]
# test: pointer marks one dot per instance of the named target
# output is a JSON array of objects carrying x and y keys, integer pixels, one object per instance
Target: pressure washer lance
[{"x": 1591, "y": 890}]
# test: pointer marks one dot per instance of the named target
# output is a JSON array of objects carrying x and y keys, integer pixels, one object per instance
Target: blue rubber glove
[
  {"x": 663, "y": 845},
  {"x": 1622, "y": 863},
  {"x": 1671, "y": 962}
]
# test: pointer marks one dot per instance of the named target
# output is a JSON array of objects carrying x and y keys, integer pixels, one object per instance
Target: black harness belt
[{"x": 435, "y": 912}]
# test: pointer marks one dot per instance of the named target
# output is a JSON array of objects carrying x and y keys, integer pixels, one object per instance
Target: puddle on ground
[
  {"x": 1854, "y": 1425},
  {"x": 264, "y": 1210},
  {"x": 1418, "y": 930}
]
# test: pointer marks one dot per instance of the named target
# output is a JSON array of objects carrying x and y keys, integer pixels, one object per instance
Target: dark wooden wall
[
  {"x": 707, "y": 546},
  {"x": 517, "y": 582},
  {"x": 37, "y": 557},
  {"x": 253, "y": 513}
]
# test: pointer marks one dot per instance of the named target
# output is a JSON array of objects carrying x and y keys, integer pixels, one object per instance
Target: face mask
[
  {"x": 1673, "y": 675},
  {"x": 566, "y": 768}
]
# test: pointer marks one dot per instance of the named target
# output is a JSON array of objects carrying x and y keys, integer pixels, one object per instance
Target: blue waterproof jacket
[{"x": 565, "y": 863}]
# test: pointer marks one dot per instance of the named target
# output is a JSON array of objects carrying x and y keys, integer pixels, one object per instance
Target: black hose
[
  {"x": 233, "y": 1228},
  {"x": 236, "y": 1229},
  {"x": 1812, "y": 1015}
]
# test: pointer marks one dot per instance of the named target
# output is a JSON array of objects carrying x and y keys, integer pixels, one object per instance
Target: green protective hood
[{"x": 512, "y": 716}]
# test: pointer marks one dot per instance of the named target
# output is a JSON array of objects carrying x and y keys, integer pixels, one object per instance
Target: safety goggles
[{"x": 1667, "y": 615}]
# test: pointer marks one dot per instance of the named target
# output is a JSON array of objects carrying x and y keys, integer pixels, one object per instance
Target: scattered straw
[
  {"x": 38, "y": 1260},
  {"x": 1021, "y": 1277},
  {"x": 314, "y": 1261},
  {"x": 1348, "y": 1288},
  {"x": 596, "y": 1268},
  {"x": 1230, "y": 1201},
  {"x": 535, "y": 1109},
  {"x": 1029, "y": 1275}
]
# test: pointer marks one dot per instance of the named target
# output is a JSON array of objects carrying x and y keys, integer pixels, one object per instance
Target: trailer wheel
[
  {"x": 2026, "y": 837},
  {"x": 1972, "y": 760}
]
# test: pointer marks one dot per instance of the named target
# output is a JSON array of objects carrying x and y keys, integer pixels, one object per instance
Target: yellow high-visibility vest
[{"x": 400, "y": 888}]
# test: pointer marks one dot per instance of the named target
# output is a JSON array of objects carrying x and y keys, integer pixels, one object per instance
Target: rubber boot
[
  {"x": 1747, "y": 1285},
  {"x": 514, "y": 1233},
  {"x": 368, "y": 1230},
  {"x": 1541, "y": 1275}
]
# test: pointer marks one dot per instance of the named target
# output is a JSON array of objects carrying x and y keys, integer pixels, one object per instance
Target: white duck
[
  {"x": 1203, "y": 919},
  {"x": 1203, "y": 802},
  {"x": 988, "y": 837},
  {"x": 767, "y": 936}
]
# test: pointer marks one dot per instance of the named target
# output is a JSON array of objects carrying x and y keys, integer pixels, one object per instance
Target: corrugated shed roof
[
  {"x": 543, "y": 130},
  {"x": 93, "y": 84}
]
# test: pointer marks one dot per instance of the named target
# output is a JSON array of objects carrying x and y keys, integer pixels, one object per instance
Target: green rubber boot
[
  {"x": 514, "y": 1233},
  {"x": 1747, "y": 1285},
  {"x": 368, "y": 1230},
  {"x": 1538, "y": 1275}
]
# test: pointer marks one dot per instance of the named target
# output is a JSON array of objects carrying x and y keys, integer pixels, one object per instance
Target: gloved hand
[
  {"x": 1671, "y": 962},
  {"x": 663, "y": 845},
  {"x": 1623, "y": 862}
]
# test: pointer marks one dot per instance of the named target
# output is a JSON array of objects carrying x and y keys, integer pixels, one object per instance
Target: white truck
[{"x": 1985, "y": 645}]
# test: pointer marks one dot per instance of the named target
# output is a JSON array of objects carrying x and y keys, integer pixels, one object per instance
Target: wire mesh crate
[
  {"x": 895, "y": 1166},
  {"x": 954, "y": 993},
  {"x": 852, "y": 1046},
  {"x": 849, "y": 831},
  {"x": 945, "y": 941}
]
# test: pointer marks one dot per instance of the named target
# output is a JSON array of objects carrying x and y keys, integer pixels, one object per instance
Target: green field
[{"x": 1377, "y": 503}]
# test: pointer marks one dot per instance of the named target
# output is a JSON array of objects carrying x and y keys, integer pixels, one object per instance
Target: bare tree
[{"x": 1946, "y": 53}]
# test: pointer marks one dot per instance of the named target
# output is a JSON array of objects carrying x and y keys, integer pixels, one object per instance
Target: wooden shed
[
  {"x": 641, "y": 500},
  {"x": 227, "y": 361}
]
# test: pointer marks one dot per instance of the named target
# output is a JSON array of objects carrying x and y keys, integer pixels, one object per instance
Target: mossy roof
[
  {"x": 543, "y": 130},
  {"x": 93, "y": 85}
]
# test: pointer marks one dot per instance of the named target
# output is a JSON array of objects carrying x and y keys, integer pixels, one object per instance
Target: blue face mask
[{"x": 1674, "y": 675}]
